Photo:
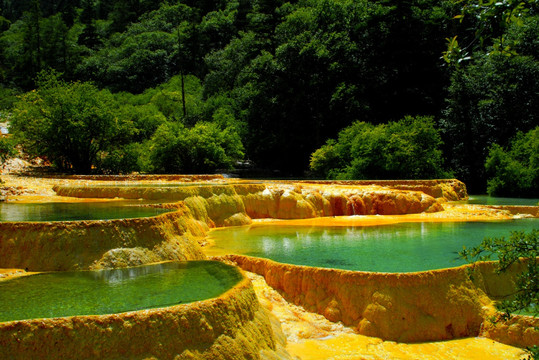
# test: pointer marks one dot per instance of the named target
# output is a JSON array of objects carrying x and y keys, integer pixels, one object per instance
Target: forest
[{"x": 336, "y": 89}]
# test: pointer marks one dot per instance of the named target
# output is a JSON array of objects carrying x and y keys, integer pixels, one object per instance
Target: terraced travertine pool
[
  {"x": 491, "y": 200},
  {"x": 124, "y": 290},
  {"x": 62, "y": 294},
  {"x": 72, "y": 211},
  {"x": 403, "y": 247}
]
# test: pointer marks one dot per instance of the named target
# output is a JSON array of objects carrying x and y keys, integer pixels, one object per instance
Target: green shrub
[
  {"x": 123, "y": 160},
  {"x": 521, "y": 247},
  {"x": 6, "y": 149},
  {"x": 515, "y": 171},
  {"x": 407, "y": 149},
  {"x": 69, "y": 123},
  {"x": 204, "y": 148},
  {"x": 489, "y": 102}
]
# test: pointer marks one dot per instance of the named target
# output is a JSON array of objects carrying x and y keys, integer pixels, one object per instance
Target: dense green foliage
[
  {"x": 520, "y": 247},
  {"x": 407, "y": 149},
  {"x": 515, "y": 171},
  {"x": 489, "y": 102},
  {"x": 203, "y": 148},
  {"x": 82, "y": 129},
  {"x": 283, "y": 77},
  {"x": 69, "y": 123},
  {"x": 493, "y": 93}
]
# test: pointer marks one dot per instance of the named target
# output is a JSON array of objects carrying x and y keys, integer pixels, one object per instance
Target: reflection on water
[
  {"x": 174, "y": 185},
  {"x": 113, "y": 291},
  {"x": 74, "y": 211},
  {"x": 490, "y": 200},
  {"x": 405, "y": 247},
  {"x": 118, "y": 276}
]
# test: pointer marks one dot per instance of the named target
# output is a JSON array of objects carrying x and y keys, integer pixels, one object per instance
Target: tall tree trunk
[{"x": 181, "y": 74}]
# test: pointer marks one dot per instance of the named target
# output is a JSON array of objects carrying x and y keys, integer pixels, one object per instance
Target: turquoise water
[
  {"x": 405, "y": 247},
  {"x": 173, "y": 184},
  {"x": 74, "y": 211},
  {"x": 489, "y": 200},
  {"x": 63, "y": 294}
]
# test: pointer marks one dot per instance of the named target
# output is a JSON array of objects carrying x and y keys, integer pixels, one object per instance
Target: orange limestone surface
[
  {"x": 451, "y": 213},
  {"x": 237, "y": 204},
  {"x": 520, "y": 330},
  {"x": 325, "y": 313},
  {"x": 310, "y": 336},
  {"x": 404, "y": 307},
  {"x": 6, "y": 274},
  {"x": 74, "y": 245},
  {"x": 231, "y": 326},
  {"x": 447, "y": 189},
  {"x": 308, "y": 201},
  {"x": 358, "y": 347}
]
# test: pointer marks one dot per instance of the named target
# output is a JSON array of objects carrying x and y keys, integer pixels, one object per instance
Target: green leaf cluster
[
  {"x": 520, "y": 247},
  {"x": 82, "y": 129}
]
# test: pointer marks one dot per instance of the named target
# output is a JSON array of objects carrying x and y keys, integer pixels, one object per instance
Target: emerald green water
[
  {"x": 172, "y": 184},
  {"x": 74, "y": 211},
  {"x": 489, "y": 200},
  {"x": 405, "y": 247},
  {"x": 63, "y": 294}
]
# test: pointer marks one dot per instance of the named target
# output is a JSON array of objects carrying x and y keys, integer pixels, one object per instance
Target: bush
[
  {"x": 204, "y": 148},
  {"x": 489, "y": 102},
  {"x": 123, "y": 160},
  {"x": 520, "y": 247},
  {"x": 69, "y": 123},
  {"x": 515, "y": 172},
  {"x": 407, "y": 149},
  {"x": 6, "y": 149}
]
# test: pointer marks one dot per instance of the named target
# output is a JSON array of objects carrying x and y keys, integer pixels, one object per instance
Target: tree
[
  {"x": 493, "y": 56},
  {"x": 217, "y": 28},
  {"x": 145, "y": 55},
  {"x": 519, "y": 248},
  {"x": 89, "y": 36},
  {"x": 204, "y": 148},
  {"x": 305, "y": 70},
  {"x": 489, "y": 102},
  {"x": 69, "y": 123},
  {"x": 6, "y": 149},
  {"x": 35, "y": 43},
  {"x": 310, "y": 86},
  {"x": 484, "y": 26},
  {"x": 123, "y": 13},
  {"x": 407, "y": 149},
  {"x": 515, "y": 171},
  {"x": 4, "y": 23}
]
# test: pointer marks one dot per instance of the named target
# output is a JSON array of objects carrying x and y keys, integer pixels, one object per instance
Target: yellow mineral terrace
[
  {"x": 371, "y": 310},
  {"x": 234, "y": 325},
  {"x": 238, "y": 203},
  {"x": 77, "y": 245},
  {"x": 404, "y": 307}
]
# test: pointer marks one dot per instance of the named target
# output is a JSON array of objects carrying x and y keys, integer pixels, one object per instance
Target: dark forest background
[{"x": 321, "y": 88}]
